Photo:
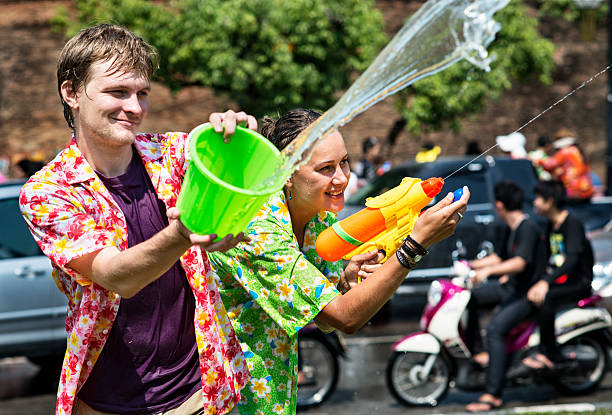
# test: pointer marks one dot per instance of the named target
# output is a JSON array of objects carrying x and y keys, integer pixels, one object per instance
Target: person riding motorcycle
[
  {"x": 570, "y": 272},
  {"x": 522, "y": 262}
]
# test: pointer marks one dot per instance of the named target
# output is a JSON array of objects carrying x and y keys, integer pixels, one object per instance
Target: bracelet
[
  {"x": 416, "y": 247},
  {"x": 404, "y": 260}
]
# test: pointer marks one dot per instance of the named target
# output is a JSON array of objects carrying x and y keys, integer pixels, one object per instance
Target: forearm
[
  {"x": 129, "y": 271},
  {"x": 351, "y": 311},
  {"x": 487, "y": 261},
  {"x": 508, "y": 267}
]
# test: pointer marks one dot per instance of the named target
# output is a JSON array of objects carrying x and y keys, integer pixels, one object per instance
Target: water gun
[{"x": 382, "y": 224}]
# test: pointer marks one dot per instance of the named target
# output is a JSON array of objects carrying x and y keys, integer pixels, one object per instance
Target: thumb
[
  {"x": 173, "y": 213},
  {"x": 366, "y": 256},
  {"x": 448, "y": 199}
]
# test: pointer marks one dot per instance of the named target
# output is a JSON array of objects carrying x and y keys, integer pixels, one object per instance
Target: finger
[
  {"x": 216, "y": 120},
  {"x": 203, "y": 240},
  {"x": 369, "y": 268},
  {"x": 447, "y": 200},
  {"x": 173, "y": 213},
  {"x": 229, "y": 122},
  {"x": 221, "y": 245},
  {"x": 251, "y": 122},
  {"x": 241, "y": 237},
  {"x": 366, "y": 256}
]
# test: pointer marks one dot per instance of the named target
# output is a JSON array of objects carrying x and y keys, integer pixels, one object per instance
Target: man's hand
[
  {"x": 229, "y": 119},
  {"x": 206, "y": 242},
  {"x": 480, "y": 275},
  {"x": 537, "y": 293}
]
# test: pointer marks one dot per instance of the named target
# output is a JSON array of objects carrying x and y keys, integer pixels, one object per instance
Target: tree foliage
[
  {"x": 568, "y": 9},
  {"x": 441, "y": 100},
  {"x": 266, "y": 55}
]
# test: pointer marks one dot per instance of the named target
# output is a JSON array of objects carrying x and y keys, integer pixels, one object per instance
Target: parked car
[
  {"x": 480, "y": 227},
  {"x": 32, "y": 309}
]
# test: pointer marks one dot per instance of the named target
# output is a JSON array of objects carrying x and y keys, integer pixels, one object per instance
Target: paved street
[{"x": 362, "y": 389}]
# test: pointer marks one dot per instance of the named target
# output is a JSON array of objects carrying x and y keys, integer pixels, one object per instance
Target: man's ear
[{"x": 69, "y": 94}]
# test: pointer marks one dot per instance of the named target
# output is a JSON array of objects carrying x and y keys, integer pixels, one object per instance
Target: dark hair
[
  {"x": 544, "y": 140},
  {"x": 553, "y": 189},
  {"x": 472, "y": 148},
  {"x": 102, "y": 43},
  {"x": 283, "y": 131},
  {"x": 509, "y": 194},
  {"x": 368, "y": 143}
]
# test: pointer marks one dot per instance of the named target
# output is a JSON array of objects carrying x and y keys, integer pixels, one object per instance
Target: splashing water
[{"x": 438, "y": 35}]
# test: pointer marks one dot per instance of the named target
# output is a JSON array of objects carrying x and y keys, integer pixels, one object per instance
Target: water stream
[{"x": 441, "y": 33}]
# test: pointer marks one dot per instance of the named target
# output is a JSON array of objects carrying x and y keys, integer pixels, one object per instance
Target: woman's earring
[{"x": 289, "y": 196}]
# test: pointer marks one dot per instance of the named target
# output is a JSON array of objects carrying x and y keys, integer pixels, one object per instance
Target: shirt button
[{"x": 105, "y": 331}]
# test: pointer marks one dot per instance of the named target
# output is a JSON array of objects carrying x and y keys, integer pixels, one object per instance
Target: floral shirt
[
  {"x": 271, "y": 289},
  {"x": 71, "y": 213}
]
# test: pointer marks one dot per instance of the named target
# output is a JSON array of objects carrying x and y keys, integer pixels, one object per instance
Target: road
[{"x": 361, "y": 390}]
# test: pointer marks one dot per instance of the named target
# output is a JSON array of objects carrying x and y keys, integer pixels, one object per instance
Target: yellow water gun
[{"x": 382, "y": 224}]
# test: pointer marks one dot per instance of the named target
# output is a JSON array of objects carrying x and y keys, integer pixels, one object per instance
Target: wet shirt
[
  {"x": 571, "y": 255},
  {"x": 271, "y": 289},
  {"x": 527, "y": 241},
  {"x": 71, "y": 213},
  {"x": 151, "y": 353}
]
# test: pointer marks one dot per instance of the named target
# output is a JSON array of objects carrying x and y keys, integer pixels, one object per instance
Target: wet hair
[
  {"x": 553, "y": 189},
  {"x": 97, "y": 44},
  {"x": 369, "y": 143},
  {"x": 288, "y": 126},
  {"x": 509, "y": 194},
  {"x": 544, "y": 140}
]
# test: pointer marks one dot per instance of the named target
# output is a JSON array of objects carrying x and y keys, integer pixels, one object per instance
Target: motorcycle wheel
[
  {"x": 590, "y": 368},
  {"x": 408, "y": 383},
  {"x": 320, "y": 368}
]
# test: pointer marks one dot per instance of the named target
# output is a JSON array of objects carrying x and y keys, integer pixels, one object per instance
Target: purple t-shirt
[{"x": 150, "y": 362}]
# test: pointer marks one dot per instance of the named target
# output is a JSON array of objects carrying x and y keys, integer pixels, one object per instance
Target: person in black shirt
[
  {"x": 519, "y": 264},
  {"x": 570, "y": 271}
]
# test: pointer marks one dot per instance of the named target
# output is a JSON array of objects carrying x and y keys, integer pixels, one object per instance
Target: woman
[{"x": 274, "y": 285}]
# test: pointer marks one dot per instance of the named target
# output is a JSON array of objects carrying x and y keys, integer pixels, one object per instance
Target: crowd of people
[{"x": 163, "y": 320}]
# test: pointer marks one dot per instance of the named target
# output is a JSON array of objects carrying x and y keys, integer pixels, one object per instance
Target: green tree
[
  {"x": 442, "y": 100},
  {"x": 266, "y": 55}
]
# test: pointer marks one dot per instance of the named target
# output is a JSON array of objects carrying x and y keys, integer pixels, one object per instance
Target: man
[
  {"x": 519, "y": 264},
  {"x": 570, "y": 268},
  {"x": 147, "y": 332}
]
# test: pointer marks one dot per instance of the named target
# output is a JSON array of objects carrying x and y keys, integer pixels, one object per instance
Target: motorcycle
[
  {"x": 425, "y": 364},
  {"x": 318, "y": 364}
]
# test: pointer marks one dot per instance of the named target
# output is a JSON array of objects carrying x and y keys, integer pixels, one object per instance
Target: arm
[
  {"x": 487, "y": 261},
  {"x": 129, "y": 271},
  {"x": 352, "y": 310},
  {"x": 510, "y": 266}
]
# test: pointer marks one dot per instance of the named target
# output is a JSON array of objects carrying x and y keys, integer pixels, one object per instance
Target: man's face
[
  {"x": 110, "y": 107},
  {"x": 542, "y": 206}
]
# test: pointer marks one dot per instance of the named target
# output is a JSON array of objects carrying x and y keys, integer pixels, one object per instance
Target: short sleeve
[
  {"x": 60, "y": 224},
  {"x": 277, "y": 275},
  {"x": 527, "y": 239}
]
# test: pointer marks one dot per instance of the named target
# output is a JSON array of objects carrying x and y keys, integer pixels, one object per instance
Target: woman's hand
[
  {"x": 206, "y": 242},
  {"x": 439, "y": 221},
  {"x": 361, "y": 266}
]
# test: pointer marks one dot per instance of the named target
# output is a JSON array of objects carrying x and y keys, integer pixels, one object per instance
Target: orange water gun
[{"x": 382, "y": 224}]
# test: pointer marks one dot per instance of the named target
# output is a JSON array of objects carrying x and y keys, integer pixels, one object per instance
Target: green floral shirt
[{"x": 271, "y": 289}]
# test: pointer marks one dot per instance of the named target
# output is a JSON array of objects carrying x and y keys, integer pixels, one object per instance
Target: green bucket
[{"x": 218, "y": 194}]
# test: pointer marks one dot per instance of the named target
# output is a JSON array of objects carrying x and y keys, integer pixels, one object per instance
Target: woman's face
[{"x": 319, "y": 184}]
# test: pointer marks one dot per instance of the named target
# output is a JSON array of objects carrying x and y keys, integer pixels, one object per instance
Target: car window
[
  {"x": 475, "y": 181},
  {"x": 15, "y": 238}
]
